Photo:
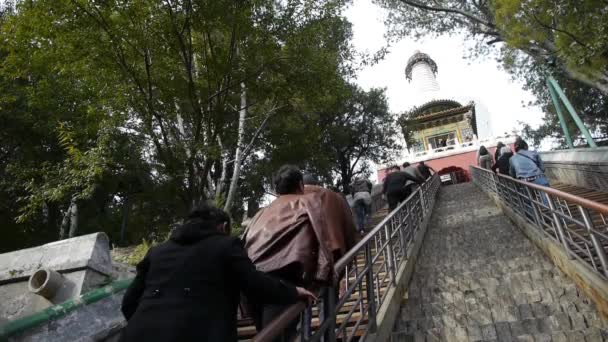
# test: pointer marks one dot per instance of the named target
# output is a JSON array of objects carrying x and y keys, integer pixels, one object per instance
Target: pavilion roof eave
[{"x": 437, "y": 115}]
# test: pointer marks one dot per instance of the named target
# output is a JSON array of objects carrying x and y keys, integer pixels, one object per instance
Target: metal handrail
[
  {"x": 22, "y": 324},
  {"x": 372, "y": 263},
  {"x": 577, "y": 224}
]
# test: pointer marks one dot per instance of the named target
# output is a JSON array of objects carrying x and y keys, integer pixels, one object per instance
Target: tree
[
  {"x": 589, "y": 102},
  {"x": 122, "y": 116},
  {"x": 572, "y": 34},
  {"x": 362, "y": 130}
]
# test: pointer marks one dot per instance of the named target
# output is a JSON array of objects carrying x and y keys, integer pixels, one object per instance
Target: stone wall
[{"x": 585, "y": 167}]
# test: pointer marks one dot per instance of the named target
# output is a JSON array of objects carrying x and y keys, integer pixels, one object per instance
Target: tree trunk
[
  {"x": 65, "y": 222},
  {"x": 219, "y": 189},
  {"x": 239, "y": 150},
  {"x": 73, "y": 217},
  {"x": 126, "y": 209}
]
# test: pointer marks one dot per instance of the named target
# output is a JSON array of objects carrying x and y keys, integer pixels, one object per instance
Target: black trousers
[
  {"x": 397, "y": 196},
  {"x": 264, "y": 313},
  {"x": 267, "y": 313}
]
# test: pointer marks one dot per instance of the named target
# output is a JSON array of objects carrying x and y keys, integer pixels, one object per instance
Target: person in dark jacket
[
  {"x": 188, "y": 288},
  {"x": 498, "y": 152},
  {"x": 361, "y": 191},
  {"x": 502, "y": 163},
  {"x": 425, "y": 170},
  {"x": 395, "y": 186},
  {"x": 484, "y": 158}
]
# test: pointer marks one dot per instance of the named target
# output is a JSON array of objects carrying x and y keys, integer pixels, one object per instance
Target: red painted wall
[{"x": 463, "y": 160}]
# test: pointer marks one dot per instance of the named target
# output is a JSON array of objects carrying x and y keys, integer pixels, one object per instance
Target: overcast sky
[{"x": 480, "y": 80}]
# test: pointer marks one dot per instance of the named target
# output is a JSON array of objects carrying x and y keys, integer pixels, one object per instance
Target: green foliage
[
  {"x": 131, "y": 108},
  {"x": 139, "y": 252},
  {"x": 533, "y": 39}
]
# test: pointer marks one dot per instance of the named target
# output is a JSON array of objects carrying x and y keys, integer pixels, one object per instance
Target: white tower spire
[{"x": 421, "y": 71}]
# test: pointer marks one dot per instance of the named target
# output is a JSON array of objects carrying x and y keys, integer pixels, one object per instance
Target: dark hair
[
  {"x": 499, "y": 145},
  {"x": 309, "y": 179},
  {"x": 421, "y": 162},
  {"x": 287, "y": 179},
  {"x": 520, "y": 144},
  {"x": 210, "y": 215},
  {"x": 483, "y": 150},
  {"x": 394, "y": 167},
  {"x": 406, "y": 164}
]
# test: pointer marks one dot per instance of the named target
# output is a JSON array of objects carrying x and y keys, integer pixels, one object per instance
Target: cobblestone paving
[{"x": 479, "y": 279}]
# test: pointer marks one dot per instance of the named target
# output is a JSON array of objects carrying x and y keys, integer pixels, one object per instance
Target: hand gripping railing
[
  {"x": 367, "y": 270},
  {"x": 578, "y": 224}
]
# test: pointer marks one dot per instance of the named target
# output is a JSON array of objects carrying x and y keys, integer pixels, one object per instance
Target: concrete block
[
  {"x": 542, "y": 337},
  {"x": 488, "y": 332},
  {"x": 503, "y": 331},
  {"x": 525, "y": 338},
  {"x": 559, "y": 337},
  {"x": 578, "y": 321},
  {"x": 83, "y": 263},
  {"x": 595, "y": 335},
  {"x": 87, "y": 251},
  {"x": 474, "y": 332},
  {"x": 559, "y": 322},
  {"x": 525, "y": 311}
]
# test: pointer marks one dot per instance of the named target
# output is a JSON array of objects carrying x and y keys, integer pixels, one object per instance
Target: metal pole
[
  {"x": 570, "y": 109},
  {"x": 306, "y": 330},
  {"x": 390, "y": 255},
  {"x": 558, "y": 226},
  {"x": 369, "y": 279},
  {"x": 560, "y": 114},
  {"x": 596, "y": 242},
  {"x": 537, "y": 216},
  {"x": 329, "y": 313}
]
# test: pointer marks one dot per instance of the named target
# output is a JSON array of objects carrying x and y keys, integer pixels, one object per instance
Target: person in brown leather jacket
[
  {"x": 287, "y": 240},
  {"x": 340, "y": 223}
]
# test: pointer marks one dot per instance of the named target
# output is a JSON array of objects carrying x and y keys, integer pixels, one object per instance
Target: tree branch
[
  {"x": 258, "y": 131},
  {"x": 448, "y": 10}
]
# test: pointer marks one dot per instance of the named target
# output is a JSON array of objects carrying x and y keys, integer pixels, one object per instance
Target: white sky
[{"x": 480, "y": 80}]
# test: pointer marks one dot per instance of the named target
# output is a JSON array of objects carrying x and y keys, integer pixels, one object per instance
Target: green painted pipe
[
  {"x": 60, "y": 310},
  {"x": 560, "y": 114},
  {"x": 572, "y": 111}
]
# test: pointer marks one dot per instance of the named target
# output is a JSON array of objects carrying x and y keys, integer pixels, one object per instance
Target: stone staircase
[{"x": 478, "y": 278}]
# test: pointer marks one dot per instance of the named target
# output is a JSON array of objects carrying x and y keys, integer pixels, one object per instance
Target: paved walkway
[{"x": 478, "y": 278}]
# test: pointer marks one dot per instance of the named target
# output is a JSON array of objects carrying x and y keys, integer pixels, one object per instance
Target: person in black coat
[
  {"x": 188, "y": 288},
  {"x": 395, "y": 186},
  {"x": 502, "y": 163}
]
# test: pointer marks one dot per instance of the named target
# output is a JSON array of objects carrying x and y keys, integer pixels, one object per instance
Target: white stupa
[{"x": 421, "y": 71}]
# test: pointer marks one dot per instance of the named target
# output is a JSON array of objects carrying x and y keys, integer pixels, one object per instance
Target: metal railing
[
  {"x": 579, "y": 225},
  {"x": 367, "y": 270}
]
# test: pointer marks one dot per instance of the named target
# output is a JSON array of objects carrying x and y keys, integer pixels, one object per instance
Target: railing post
[
  {"x": 306, "y": 330},
  {"x": 537, "y": 218},
  {"x": 558, "y": 226},
  {"x": 596, "y": 242},
  {"x": 369, "y": 279},
  {"x": 328, "y": 312},
  {"x": 402, "y": 227},
  {"x": 390, "y": 255},
  {"x": 494, "y": 182},
  {"x": 422, "y": 199}
]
